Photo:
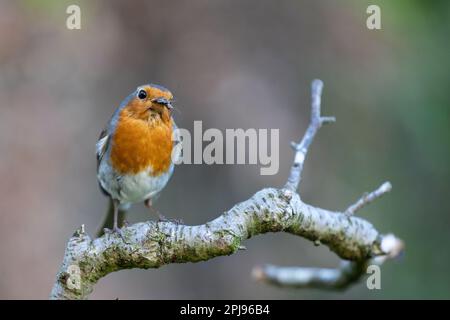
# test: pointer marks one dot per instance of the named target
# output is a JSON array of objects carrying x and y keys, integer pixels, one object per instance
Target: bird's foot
[
  {"x": 148, "y": 204},
  {"x": 116, "y": 231},
  {"x": 164, "y": 219}
]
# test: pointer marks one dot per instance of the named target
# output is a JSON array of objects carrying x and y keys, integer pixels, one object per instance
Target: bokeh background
[{"x": 231, "y": 64}]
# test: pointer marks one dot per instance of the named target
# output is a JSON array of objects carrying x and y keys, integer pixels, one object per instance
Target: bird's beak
[{"x": 164, "y": 102}]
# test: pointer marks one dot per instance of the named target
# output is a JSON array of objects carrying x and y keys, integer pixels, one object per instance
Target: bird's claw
[
  {"x": 115, "y": 230},
  {"x": 164, "y": 219}
]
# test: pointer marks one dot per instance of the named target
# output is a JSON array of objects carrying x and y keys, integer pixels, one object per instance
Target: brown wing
[{"x": 102, "y": 145}]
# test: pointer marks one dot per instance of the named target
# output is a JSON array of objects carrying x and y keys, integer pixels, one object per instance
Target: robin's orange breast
[{"x": 138, "y": 145}]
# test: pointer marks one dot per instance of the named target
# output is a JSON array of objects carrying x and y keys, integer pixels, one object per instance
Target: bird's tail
[{"x": 108, "y": 220}]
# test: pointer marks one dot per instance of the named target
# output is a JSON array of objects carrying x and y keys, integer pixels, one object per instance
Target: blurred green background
[{"x": 231, "y": 64}]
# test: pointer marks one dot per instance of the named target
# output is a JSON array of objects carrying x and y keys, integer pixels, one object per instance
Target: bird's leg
[
  {"x": 116, "y": 215},
  {"x": 148, "y": 203},
  {"x": 115, "y": 228}
]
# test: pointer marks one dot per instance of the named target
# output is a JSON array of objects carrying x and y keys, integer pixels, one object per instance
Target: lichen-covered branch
[{"x": 154, "y": 244}]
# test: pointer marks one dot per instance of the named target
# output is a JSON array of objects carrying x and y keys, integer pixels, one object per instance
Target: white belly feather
[{"x": 131, "y": 188}]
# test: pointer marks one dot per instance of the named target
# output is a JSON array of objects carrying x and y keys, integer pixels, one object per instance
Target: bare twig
[
  {"x": 301, "y": 148},
  {"x": 368, "y": 198},
  {"x": 154, "y": 244}
]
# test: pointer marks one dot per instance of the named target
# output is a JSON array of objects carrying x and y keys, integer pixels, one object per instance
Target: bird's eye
[{"x": 142, "y": 94}]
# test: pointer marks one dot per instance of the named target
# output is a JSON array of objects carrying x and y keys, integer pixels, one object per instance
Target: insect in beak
[{"x": 164, "y": 102}]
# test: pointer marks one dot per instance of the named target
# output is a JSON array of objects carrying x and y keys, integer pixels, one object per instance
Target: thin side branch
[
  {"x": 320, "y": 278},
  {"x": 368, "y": 198},
  {"x": 154, "y": 244},
  {"x": 301, "y": 148},
  {"x": 347, "y": 274}
]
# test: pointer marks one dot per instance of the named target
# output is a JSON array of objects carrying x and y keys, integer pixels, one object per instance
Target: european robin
[{"x": 134, "y": 151}]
